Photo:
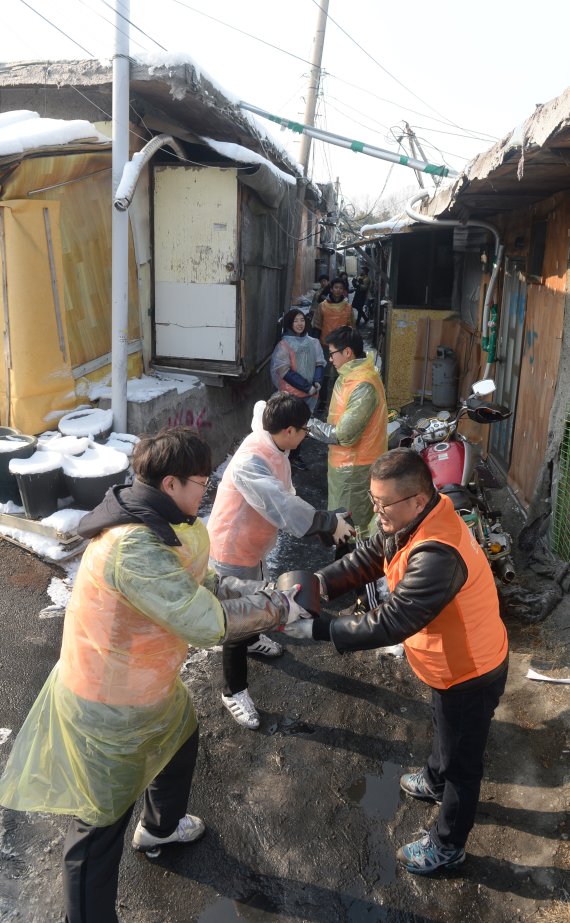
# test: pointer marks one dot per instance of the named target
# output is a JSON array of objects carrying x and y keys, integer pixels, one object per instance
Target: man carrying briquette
[{"x": 443, "y": 606}]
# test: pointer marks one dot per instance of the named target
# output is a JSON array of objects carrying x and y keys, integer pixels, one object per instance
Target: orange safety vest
[
  {"x": 374, "y": 439},
  {"x": 111, "y": 652},
  {"x": 239, "y": 535},
  {"x": 467, "y": 638},
  {"x": 334, "y": 315}
]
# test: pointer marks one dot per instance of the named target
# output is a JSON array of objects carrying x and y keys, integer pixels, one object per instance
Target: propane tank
[{"x": 444, "y": 378}]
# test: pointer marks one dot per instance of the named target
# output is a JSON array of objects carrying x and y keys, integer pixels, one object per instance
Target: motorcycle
[{"x": 457, "y": 469}]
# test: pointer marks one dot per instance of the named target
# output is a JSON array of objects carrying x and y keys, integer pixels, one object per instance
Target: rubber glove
[
  {"x": 302, "y": 628},
  {"x": 344, "y": 531},
  {"x": 296, "y": 611}
]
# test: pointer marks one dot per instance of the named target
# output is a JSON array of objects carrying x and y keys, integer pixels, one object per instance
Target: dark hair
[
  {"x": 283, "y": 410},
  {"x": 290, "y": 317},
  {"x": 337, "y": 281},
  {"x": 407, "y": 467},
  {"x": 324, "y": 276},
  {"x": 344, "y": 337},
  {"x": 176, "y": 451}
]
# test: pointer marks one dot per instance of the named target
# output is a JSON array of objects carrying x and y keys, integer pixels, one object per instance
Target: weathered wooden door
[
  {"x": 509, "y": 354},
  {"x": 195, "y": 263}
]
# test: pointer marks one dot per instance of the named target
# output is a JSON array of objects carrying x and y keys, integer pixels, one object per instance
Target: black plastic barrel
[
  {"x": 11, "y": 447},
  {"x": 39, "y": 491}
]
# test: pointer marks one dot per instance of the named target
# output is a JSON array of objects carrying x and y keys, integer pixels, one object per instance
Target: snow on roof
[
  {"x": 23, "y": 130},
  {"x": 245, "y": 155},
  {"x": 389, "y": 226},
  {"x": 157, "y": 60}
]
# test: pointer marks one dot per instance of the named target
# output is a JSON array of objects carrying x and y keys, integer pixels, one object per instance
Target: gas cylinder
[{"x": 444, "y": 378}]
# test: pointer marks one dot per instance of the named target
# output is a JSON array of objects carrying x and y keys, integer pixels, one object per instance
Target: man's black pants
[
  {"x": 91, "y": 855},
  {"x": 454, "y": 770}
]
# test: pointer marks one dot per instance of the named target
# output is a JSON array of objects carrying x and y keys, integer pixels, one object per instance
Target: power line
[
  {"x": 290, "y": 54},
  {"x": 57, "y": 27},
  {"x": 381, "y": 66},
  {"x": 150, "y": 38},
  {"x": 241, "y": 31},
  {"x": 112, "y": 24}
]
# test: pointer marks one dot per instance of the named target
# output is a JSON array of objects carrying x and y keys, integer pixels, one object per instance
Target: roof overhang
[{"x": 531, "y": 163}]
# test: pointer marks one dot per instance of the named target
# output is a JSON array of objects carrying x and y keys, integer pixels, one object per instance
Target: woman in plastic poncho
[{"x": 298, "y": 366}]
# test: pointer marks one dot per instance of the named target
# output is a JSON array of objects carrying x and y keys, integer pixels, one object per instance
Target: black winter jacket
[{"x": 435, "y": 574}]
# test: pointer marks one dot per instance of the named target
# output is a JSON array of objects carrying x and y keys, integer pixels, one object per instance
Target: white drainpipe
[{"x": 499, "y": 248}]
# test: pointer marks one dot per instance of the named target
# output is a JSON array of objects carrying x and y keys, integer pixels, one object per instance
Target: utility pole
[
  {"x": 120, "y": 220},
  {"x": 314, "y": 83}
]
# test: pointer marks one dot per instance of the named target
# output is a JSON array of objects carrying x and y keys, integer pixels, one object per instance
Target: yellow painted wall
[{"x": 407, "y": 331}]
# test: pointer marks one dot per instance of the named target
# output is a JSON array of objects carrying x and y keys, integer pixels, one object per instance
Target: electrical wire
[
  {"x": 354, "y": 86},
  {"x": 91, "y": 55},
  {"x": 381, "y": 66},
  {"x": 241, "y": 31},
  {"x": 111, "y": 23},
  {"x": 150, "y": 38}
]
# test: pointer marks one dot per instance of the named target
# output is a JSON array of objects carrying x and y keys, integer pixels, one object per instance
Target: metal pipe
[
  {"x": 120, "y": 220},
  {"x": 358, "y": 147},
  {"x": 499, "y": 249},
  {"x": 133, "y": 168}
]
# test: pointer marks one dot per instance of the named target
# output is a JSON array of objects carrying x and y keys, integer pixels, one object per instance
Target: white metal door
[{"x": 195, "y": 260}]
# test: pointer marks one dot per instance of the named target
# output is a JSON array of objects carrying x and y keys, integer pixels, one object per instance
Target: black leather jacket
[{"x": 434, "y": 575}]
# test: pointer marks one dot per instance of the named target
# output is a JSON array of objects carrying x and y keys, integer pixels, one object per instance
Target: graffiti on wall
[{"x": 192, "y": 418}]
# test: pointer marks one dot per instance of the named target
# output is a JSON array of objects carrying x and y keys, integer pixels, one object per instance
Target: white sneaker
[
  {"x": 189, "y": 828},
  {"x": 266, "y": 647},
  {"x": 242, "y": 709}
]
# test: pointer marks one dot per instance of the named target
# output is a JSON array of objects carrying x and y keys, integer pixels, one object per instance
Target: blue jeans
[{"x": 461, "y": 721}]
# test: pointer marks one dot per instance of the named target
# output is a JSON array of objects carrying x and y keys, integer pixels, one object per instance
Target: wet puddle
[
  {"x": 288, "y": 726},
  {"x": 256, "y": 910},
  {"x": 377, "y": 795}
]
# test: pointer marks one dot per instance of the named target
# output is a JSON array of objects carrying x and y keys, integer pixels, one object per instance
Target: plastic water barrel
[{"x": 444, "y": 378}]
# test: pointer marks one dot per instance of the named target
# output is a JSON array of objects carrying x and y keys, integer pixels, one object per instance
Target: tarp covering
[{"x": 36, "y": 381}]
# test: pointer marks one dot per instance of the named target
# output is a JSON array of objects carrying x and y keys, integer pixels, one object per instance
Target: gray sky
[{"x": 464, "y": 69}]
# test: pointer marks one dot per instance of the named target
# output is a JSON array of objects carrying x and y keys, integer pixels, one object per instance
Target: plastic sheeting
[{"x": 36, "y": 380}]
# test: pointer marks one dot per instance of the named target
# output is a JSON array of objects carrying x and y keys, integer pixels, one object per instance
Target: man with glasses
[
  {"x": 114, "y": 719},
  {"x": 443, "y": 606},
  {"x": 254, "y": 500},
  {"x": 356, "y": 427}
]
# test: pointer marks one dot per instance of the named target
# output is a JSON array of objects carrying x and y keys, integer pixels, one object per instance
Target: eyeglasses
[
  {"x": 333, "y": 351},
  {"x": 382, "y": 507},
  {"x": 199, "y": 483}
]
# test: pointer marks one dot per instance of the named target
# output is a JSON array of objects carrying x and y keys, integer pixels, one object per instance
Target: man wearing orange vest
[
  {"x": 114, "y": 719},
  {"x": 356, "y": 427},
  {"x": 335, "y": 311},
  {"x": 443, "y": 606},
  {"x": 254, "y": 500}
]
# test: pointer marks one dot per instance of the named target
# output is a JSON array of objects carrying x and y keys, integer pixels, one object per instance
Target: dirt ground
[{"x": 304, "y": 815}]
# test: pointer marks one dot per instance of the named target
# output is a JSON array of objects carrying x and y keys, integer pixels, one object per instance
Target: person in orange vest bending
[
  {"x": 356, "y": 427},
  {"x": 335, "y": 311},
  {"x": 443, "y": 606},
  {"x": 114, "y": 719},
  {"x": 254, "y": 500}
]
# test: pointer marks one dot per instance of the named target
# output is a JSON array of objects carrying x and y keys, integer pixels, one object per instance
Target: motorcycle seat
[{"x": 461, "y": 497}]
